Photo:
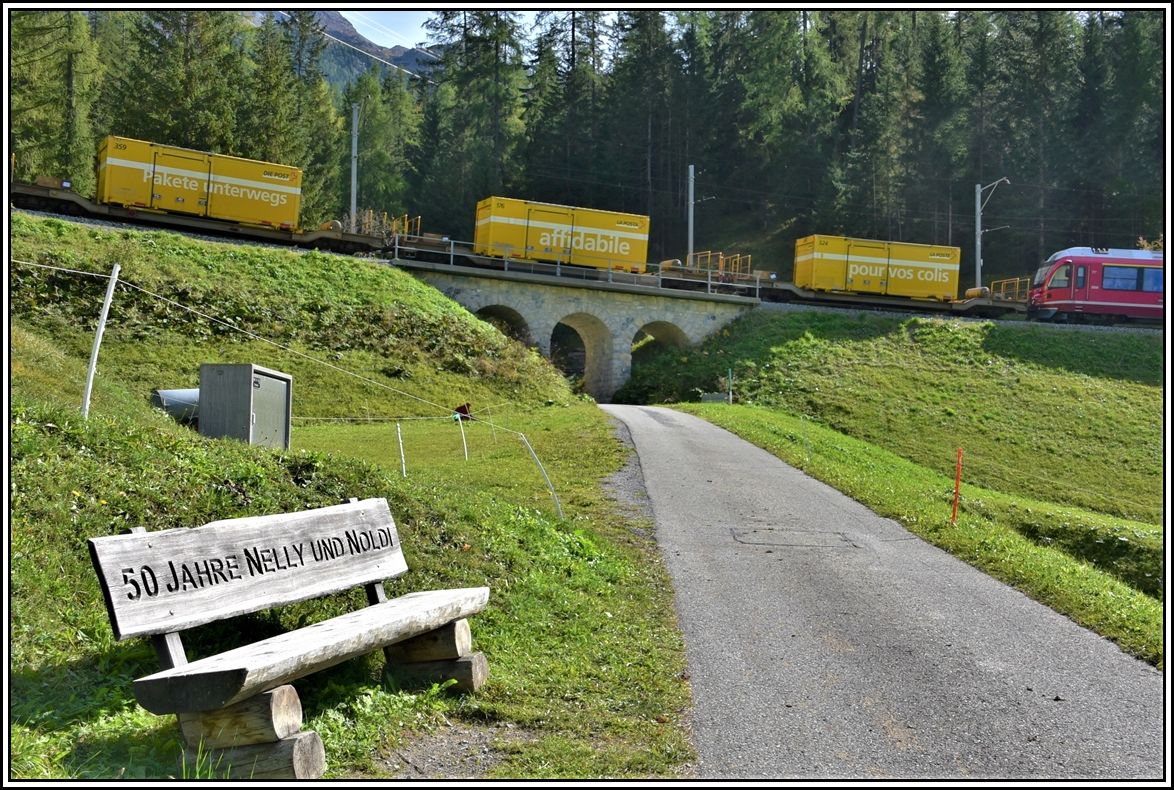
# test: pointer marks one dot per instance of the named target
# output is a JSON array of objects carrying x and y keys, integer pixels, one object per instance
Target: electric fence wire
[{"x": 448, "y": 412}]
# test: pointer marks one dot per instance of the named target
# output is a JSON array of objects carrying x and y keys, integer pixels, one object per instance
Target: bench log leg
[
  {"x": 257, "y": 738},
  {"x": 438, "y": 655},
  {"x": 449, "y": 641},
  {"x": 300, "y": 756},
  {"x": 265, "y": 718},
  {"x": 470, "y": 672}
]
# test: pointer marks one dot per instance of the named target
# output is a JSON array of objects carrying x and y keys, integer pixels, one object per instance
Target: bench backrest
[{"x": 167, "y": 581}]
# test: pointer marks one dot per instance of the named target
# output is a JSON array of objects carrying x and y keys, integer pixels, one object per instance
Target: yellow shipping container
[
  {"x": 138, "y": 174},
  {"x": 839, "y": 263},
  {"x": 509, "y": 228}
]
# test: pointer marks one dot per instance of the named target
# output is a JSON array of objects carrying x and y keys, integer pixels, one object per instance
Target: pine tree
[
  {"x": 726, "y": 159},
  {"x": 937, "y": 139},
  {"x": 563, "y": 107},
  {"x": 53, "y": 87},
  {"x": 814, "y": 145},
  {"x": 188, "y": 80},
  {"x": 770, "y": 117},
  {"x": 475, "y": 108},
  {"x": 548, "y": 176},
  {"x": 322, "y": 134},
  {"x": 388, "y": 132},
  {"x": 318, "y": 126},
  {"x": 268, "y": 121},
  {"x": 695, "y": 105},
  {"x": 1037, "y": 58},
  {"x": 1097, "y": 151},
  {"x": 641, "y": 126},
  {"x": 1138, "y": 121},
  {"x": 114, "y": 37}
]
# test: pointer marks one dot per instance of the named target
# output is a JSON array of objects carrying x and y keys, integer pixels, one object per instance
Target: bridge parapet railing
[
  {"x": 1014, "y": 289},
  {"x": 658, "y": 276}
]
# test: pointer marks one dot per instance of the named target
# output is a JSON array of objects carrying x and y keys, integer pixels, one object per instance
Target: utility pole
[
  {"x": 978, "y": 207},
  {"x": 689, "y": 253},
  {"x": 354, "y": 160}
]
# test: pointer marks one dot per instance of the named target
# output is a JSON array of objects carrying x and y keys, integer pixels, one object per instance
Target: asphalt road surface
[{"x": 827, "y": 642}]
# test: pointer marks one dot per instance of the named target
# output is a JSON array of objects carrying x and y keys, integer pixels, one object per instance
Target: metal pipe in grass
[{"x": 557, "y": 506}]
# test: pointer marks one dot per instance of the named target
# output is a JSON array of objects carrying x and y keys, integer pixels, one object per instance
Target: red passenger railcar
[{"x": 1103, "y": 284}]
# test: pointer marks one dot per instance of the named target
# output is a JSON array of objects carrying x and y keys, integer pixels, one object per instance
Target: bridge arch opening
[
  {"x": 580, "y": 346},
  {"x": 654, "y": 338},
  {"x": 508, "y": 321}
]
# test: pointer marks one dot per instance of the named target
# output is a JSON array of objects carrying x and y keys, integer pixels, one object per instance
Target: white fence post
[
  {"x": 403, "y": 463},
  {"x": 98, "y": 340}
]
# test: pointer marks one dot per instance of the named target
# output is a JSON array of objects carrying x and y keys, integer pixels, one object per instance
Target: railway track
[{"x": 443, "y": 250}]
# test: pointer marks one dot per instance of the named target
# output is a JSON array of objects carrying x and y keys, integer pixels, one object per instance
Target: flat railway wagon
[
  {"x": 152, "y": 177},
  {"x": 1101, "y": 284},
  {"x": 549, "y": 233},
  {"x": 888, "y": 268}
]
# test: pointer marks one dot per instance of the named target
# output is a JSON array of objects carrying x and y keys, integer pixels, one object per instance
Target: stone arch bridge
[{"x": 608, "y": 317}]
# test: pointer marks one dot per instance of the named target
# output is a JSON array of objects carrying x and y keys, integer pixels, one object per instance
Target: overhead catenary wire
[
  {"x": 394, "y": 34},
  {"x": 368, "y": 54}
]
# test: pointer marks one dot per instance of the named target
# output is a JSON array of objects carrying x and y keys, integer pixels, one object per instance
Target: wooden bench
[{"x": 157, "y": 584}]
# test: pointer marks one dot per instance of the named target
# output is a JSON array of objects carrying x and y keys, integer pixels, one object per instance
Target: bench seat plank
[{"x": 235, "y": 675}]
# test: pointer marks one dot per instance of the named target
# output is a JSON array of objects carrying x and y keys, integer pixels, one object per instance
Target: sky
[
  {"x": 398, "y": 28},
  {"x": 390, "y": 28}
]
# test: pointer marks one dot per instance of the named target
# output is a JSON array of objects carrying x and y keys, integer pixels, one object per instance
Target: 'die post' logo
[{"x": 275, "y": 175}]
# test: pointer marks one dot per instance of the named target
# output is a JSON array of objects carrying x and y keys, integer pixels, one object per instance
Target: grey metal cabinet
[{"x": 247, "y": 402}]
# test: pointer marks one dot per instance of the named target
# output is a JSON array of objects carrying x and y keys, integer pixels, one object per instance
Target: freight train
[
  {"x": 865, "y": 266},
  {"x": 161, "y": 178},
  {"x": 182, "y": 188},
  {"x": 244, "y": 198}
]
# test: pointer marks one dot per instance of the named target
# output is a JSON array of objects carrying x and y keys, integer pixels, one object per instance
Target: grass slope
[
  {"x": 585, "y": 658},
  {"x": 1038, "y": 412},
  {"x": 373, "y": 320}
]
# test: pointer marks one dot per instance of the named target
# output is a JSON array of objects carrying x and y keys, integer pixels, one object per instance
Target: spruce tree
[{"x": 53, "y": 86}]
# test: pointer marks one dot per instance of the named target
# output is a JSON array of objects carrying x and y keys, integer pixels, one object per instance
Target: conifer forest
[{"x": 874, "y": 124}]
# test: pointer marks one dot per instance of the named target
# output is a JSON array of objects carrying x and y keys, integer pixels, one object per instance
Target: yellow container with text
[
  {"x": 153, "y": 177},
  {"x": 892, "y": 268},
  {"x": 546, "y": 232}
]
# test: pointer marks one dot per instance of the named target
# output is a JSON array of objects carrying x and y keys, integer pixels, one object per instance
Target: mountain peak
[{"x": 337, "y": 25}]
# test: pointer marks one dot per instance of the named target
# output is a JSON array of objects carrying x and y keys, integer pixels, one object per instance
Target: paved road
[{"x": 826, "y": 642}]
